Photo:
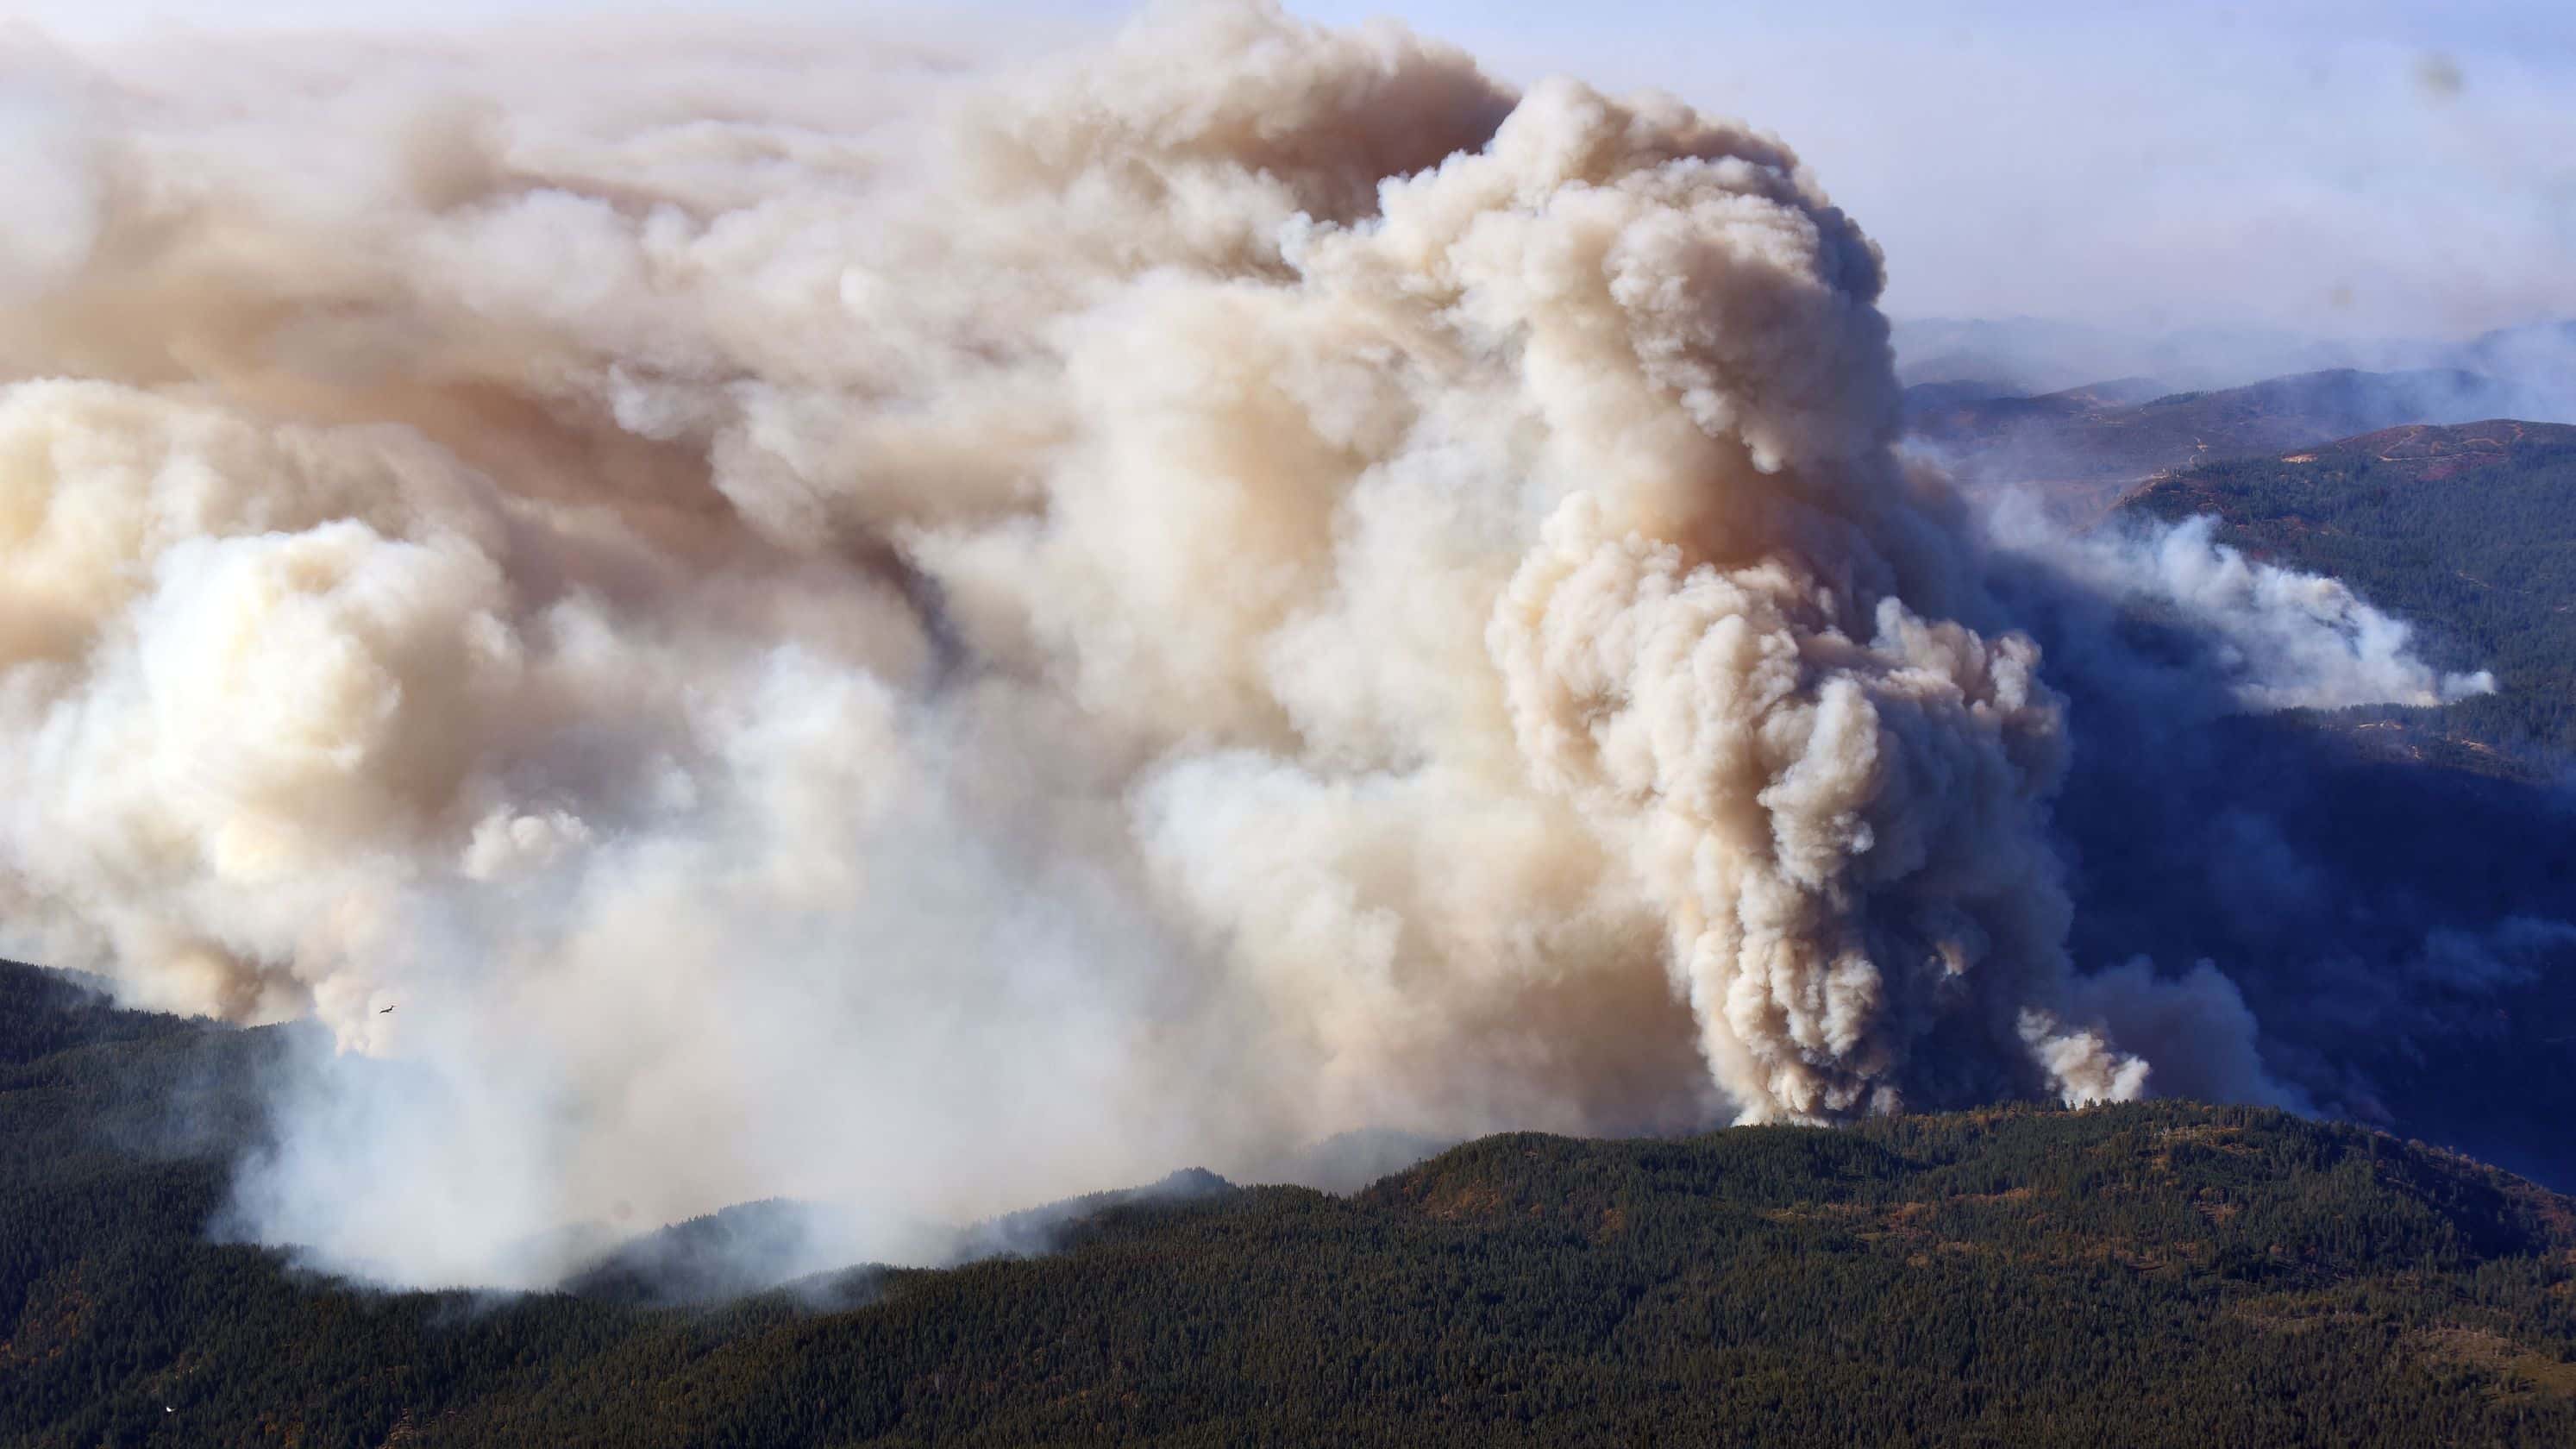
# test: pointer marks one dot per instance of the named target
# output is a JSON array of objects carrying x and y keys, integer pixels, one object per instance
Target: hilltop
[{"x": 2154, "y": 1274}]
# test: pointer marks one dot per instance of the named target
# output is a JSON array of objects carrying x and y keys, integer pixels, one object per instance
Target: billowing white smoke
[
  {"x": 824, "y": 623},
  {"x": 2288, "y": 640}
]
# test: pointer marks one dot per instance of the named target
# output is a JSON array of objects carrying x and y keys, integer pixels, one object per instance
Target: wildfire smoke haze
[{"x": 922, "y": 633}]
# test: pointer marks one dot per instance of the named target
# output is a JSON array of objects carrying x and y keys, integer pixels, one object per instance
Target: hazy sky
[{"x": 2356, "y": 167}]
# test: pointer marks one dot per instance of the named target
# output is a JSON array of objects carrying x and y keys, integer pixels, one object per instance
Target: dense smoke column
[
  {"x": 931, "y": 635},
  {"x": 1833, "y": 799}
]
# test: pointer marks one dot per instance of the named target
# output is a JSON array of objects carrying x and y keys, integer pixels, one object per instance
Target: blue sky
[{"x": 2365, "y": 167}]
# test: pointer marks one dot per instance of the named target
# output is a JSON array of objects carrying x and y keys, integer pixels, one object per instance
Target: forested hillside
[
  {"x": 2157, "y": 1274},
  {"x": 2468, "y": 532}
]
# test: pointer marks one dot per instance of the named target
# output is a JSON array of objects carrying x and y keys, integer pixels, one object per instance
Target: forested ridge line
[{"x": 2160, "y": 1273}]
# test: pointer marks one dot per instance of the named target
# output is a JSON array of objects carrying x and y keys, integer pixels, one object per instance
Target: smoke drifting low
[{"x": 848, "y": 624}]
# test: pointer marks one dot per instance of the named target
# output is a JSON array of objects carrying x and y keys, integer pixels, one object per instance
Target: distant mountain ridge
[
  {"x": 2025, "y": 355},
  {"x": 2040, "y": 355},
  {"x": 2083, "y": 447}
]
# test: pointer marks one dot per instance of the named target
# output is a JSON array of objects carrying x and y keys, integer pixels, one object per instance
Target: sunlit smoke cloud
[{"x": 923, "y": 635}]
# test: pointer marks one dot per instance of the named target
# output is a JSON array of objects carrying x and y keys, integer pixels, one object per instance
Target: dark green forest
[
  {"x": 2469, "y": 533},
  {"x": 2153, "y": 1274}
]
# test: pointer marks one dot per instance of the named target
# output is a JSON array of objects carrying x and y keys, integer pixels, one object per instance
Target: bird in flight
[{"x": 387, "y": 1011}]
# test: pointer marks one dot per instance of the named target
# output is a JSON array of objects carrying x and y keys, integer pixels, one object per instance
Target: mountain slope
[
  {"x": 2468, "y": 532},
  {"x": 2082, "y": 447},
  {"x": 2157, "y": 1274}
]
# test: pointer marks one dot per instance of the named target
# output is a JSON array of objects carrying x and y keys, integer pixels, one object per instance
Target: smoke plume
[{"x": 747, "y": 618}]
